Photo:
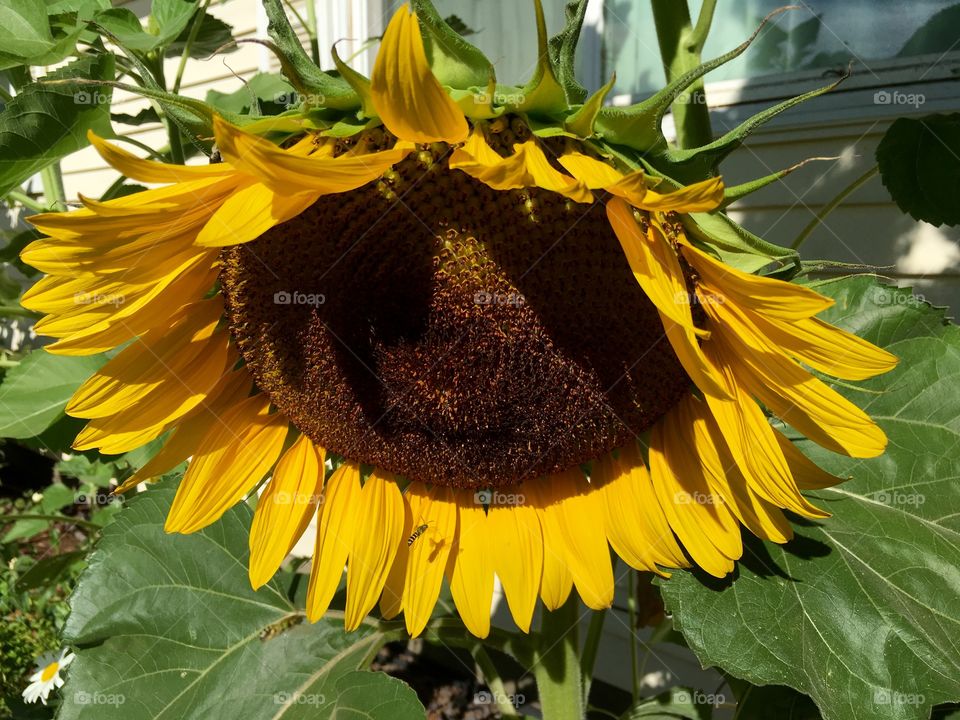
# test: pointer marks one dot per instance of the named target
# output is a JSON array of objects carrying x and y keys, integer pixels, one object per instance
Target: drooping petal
[
  {"x": 249, "y": 212},
  {"x": 428, "y": 552},
  {"x": 152, "y": 171},
  {"x": 339, "y": 519},
  {"x": 699, "y": 197},
  {"x": 285, "y": 507},
  {"x": 701, "y": 520},
  {"x": 770, "y": 296},
  {"x": 373, "y": 546},
  {"x": 635, "y": 524},
  {"x": 287, "y": 173},
  {"x": 806, "y": 473},
  {"x": 232, "y": 458},
  {"x": 574, "y": 515},
  {"x": 408, "y": 98},
  {"x": 185, "y": 440},
  {"x": 824, "y": 347},
  {"x": 594, "y": 173},
  {"x": 516, "y": 544},
  {"x": 470, "y": 565},
  {"x": 792, "y": 393}
]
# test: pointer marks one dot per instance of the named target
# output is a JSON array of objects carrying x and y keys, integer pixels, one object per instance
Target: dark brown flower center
[{"x": 450, "y": 333}]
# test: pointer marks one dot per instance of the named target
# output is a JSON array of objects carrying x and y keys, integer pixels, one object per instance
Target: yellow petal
[
  {"x": 249, "y": 212},
  {"x": 594, "y": 173},
  {"x": 762, "y": 518},
  {"x": 699, "y": 197},
  {"x": 516, "y": 544},
  {"x": 470, "y": 565},
  {"x": 185, "y": 440},
  {"x": 792, "y": 393},
  {"x": 752, "y": 442},
  {"x": 700, "y": 518},
  {"x": 654, "y": 264},
  {"x": 163, "y": 407},
  {"x": 635, "y": 524},
  {"x": 287, "y": 173},
  {"x": 408, "y": 98},
  {"x": 151, "y": 170},
  {"x": 374, "y": 545},
  {"x": 557, "y": 581},
  {"x": 428, "y": 552},
  {"x": 806, "y": 473},
  {"x": 284, "y": 509},
  {"x": 548, "y": 177},
  {"x": 574, "y": 515},
  {"x": 769, "y": 296},
  {"x": 340, "y": 517},
  {"x": 825, "y": 348},
  {"x": 391, "y": 599},
  {"x": 233, "y": 457}
]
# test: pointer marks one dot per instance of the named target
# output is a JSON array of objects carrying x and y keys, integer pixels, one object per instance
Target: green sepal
[
  {"x": 543, "y": 95},
  {"x": 737, "y": 246},
  {"x": 581, "y": 122},
  {"x": 300, "y": 70},
  {"x": 563, "y": 51},
  {"x": 639, "y": 126},
  {"x": 348, "y": 127},
  {"x": 737, "y": 192},
  {"x": 455, "y": 62},
  {"x": 357, "y": 81},
  {"x": 548, "y": 129},
  {"x": 697, "y": 163}
]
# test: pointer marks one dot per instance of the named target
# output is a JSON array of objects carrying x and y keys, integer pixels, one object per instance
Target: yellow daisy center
[{"x": 49, "y": 671}]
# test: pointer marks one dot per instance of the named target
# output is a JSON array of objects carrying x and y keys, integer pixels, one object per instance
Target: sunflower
[{"x": 472, "y": 338}]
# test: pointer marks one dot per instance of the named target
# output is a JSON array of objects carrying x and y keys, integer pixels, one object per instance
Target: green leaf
[
  {"x": 125, "y": 27},
  {"x": 920, "y": 166},
  {"x": 34, "y": 393},
  {"x": 861, "y": 611},
  {"x": 167, "y": 627},
  {"x": 454, "y": 61},
  {"x": 55, "y": 497},
  {"x": 46, "y": 122},
  {"x": 47, "y": 571},
  {"x": 169, "y": 18},
  {"x": 33, "y": 33},
  {"x": 736, "y": 245},
  {"x": 679, "y": 703},
  {"x": 211, "y": 37}
]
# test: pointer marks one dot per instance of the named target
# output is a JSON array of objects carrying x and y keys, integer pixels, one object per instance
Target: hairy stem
[{"x": 557, "y": 665}]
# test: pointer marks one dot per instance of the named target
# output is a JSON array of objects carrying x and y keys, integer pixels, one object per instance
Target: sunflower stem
[
  {"x": 680, "y": 48},
  {"x": 53, "y": 192},
  {"x": 632, "y": 620},
  {"x": 194, "y": 30},
  {"x": 556, "y": 665},
  {"x": 833, "y": 205},
  {"x": 27, "y": 201},
  {"x": 311, "y": 27},
  {"x": 591, "y": 647},
  {"x": 491, "y": 676}
]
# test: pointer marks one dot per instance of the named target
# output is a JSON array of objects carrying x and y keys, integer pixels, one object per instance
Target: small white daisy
[{"x": 47, "y": 677}]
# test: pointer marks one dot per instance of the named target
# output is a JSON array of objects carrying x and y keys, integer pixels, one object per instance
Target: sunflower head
[{"x": 469, "y": 329}]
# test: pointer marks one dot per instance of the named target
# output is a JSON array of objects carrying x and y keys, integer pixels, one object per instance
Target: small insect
[{"x": 416, "y": 533}]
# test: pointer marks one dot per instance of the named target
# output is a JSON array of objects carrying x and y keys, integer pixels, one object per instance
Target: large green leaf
[
  {"x": 860, "y": 611},
  {"x": 167, "y": 627},
  {"x": 48, "y": 120},
  {"x": 920, "y": 165},
  {"x": 34, "y": 393}
]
